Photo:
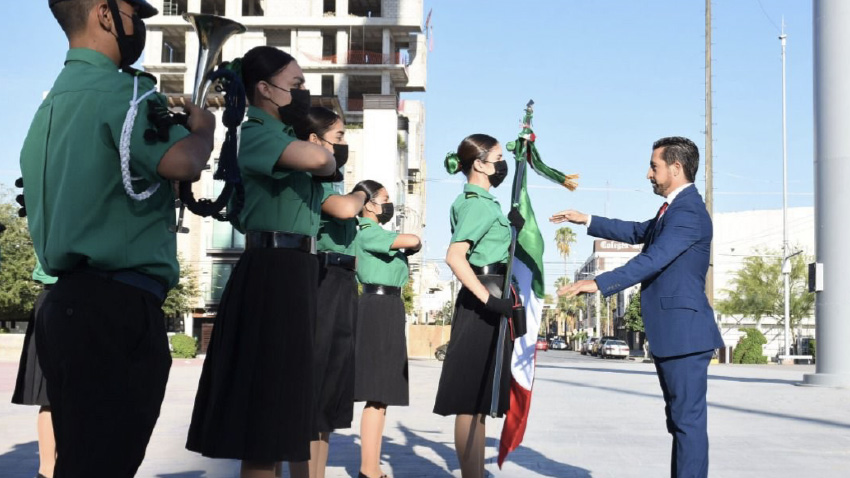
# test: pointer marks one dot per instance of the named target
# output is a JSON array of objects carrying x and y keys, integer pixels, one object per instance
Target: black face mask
[
  {"x": 499, "y": 175},
  {"x": 129, "y": 46},
  {"x": 386, "y": 213},
  {"x": 340, "y": 153},
  {"x": 297, "y": 109}
]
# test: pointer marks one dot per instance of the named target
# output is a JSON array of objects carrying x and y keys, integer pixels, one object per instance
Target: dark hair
[
  {"x": 260, "y": 64},
  {"x": 474, "y": 146},
  {"x": 680, "y": 150},
  {"x": 73, "y": 16},
  {"x": 369, "y": 187},
  {"x": 318, "y": 121}
]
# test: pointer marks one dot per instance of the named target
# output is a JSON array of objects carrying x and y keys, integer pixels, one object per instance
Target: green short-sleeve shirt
[
  {"x": 39, "y": 275},
  {"x": 376, "y": 262},
  {"x": 476, "y": 217},
  {"x": 79, "y": 213},
  {"x": 276, "y": 199},
  {"x": 335, "y": 235}
]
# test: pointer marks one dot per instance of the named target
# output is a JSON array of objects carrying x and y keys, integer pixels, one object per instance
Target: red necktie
[{"x": 661, "y": 210}]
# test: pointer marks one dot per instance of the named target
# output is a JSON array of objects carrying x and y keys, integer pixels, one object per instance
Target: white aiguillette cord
[{"x": 124, "y": 146}]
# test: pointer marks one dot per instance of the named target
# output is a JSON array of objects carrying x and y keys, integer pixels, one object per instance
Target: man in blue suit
[{"x": 671, "y": 270}]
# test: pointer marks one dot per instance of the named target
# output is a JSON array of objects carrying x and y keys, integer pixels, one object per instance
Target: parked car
[
  {"x": 542, "y": 344},
  {"x": 587, "y": 345},
  {"x": 614, "y": 348},
  {"x": 440, "y": 353},
  {"x": 558, "y": 344}
]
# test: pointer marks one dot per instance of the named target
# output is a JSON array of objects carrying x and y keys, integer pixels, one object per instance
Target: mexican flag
[{"x": 527, "y": 271}]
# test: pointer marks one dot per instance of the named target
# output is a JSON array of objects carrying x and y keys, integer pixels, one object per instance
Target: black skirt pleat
[
  {"x": 466, "y": 382},
  {"x": 333, "y": 349},
  {"x": 30, "y": 386},
  {"x": 380, "y": 362},
  {"x": 255, "y": 396}
]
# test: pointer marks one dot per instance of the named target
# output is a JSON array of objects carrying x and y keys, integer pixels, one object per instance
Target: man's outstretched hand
[
  {"x": 580, "y": 287},
  {"x": 569, "y": 215}
]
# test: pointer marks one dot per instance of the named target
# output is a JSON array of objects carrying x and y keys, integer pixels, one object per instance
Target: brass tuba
[{"x": 213, "y": 31}]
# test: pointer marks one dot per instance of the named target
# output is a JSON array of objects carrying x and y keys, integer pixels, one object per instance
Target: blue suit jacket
[{"x": 671, "y": 270}]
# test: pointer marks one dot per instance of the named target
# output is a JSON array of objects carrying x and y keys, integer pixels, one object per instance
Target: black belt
[
  {"x": 497, "y": 269},
  {"x": 280, "y": 240},
  {"x": 336, "y": 259},
  {"x": 381, "y": 289},
  {"x": 131, "y": 278}
]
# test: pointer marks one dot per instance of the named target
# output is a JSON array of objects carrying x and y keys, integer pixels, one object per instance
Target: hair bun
[{"x": 452, "y": 163}]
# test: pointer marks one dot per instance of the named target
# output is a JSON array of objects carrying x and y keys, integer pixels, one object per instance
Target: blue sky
[{"x": 608, "y": 77}]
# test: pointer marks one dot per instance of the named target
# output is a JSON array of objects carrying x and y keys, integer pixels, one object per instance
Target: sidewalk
[{"x": 590, "y": 418}]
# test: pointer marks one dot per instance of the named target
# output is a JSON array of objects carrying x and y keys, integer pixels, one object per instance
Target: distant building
[{"x": 358, "y": 57}]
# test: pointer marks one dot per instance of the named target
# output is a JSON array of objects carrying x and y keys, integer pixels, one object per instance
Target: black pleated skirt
[
  {"x": 30, "y": 386},
  {"x": 381, "y": 351},
  {"x": 255, "y": 396},
  {"x": 466, "y": 382},
  {"x": 333, "y": 349}
]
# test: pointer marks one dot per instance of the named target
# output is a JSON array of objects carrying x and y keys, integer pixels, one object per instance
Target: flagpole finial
[{"x": 530, "y": 104}]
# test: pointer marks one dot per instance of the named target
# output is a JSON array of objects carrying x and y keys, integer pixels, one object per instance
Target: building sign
[{"x": 601, "y": 245}]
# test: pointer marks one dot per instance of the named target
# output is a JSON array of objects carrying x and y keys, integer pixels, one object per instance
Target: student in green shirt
[
  {"x": 100, "y": 205},
  {"x": 478, "y": 256},
  {"x": 255, "y": 397},
  {"x": 333, "y": 338},
  {"x": 380, "y": 346}
]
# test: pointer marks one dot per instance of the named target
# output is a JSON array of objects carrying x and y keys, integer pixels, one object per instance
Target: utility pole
[
  {"x": 709, "y": 175},
  {"x": 832, "y": 148},
  {"x": 786, "y": 264}
]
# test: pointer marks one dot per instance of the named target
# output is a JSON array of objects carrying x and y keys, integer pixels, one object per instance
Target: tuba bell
[{"x": 213, "y": 32}]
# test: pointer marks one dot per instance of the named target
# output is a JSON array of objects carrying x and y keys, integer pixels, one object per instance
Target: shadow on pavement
[
  {"x": 652, "y": 373},
  {"x": 22, "y": 459},
  {"x": 184, "y": 474},
  {"x": 523, "y": 456},
  {"x": 733, "y": 408}
]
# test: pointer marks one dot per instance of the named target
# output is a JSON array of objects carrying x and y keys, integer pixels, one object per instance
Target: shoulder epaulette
[
  {"x": 252, "y": 119},
  {"x": 364, "y": 226},
  {"x": 471, "y": 194}
]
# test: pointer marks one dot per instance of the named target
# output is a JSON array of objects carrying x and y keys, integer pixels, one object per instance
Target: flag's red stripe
[{"x": 515, "y": 421}]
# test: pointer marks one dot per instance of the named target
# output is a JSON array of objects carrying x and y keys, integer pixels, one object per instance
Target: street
[{"x": 589, "y": 418}]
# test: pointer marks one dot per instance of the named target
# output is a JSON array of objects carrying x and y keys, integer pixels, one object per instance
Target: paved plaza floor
[{"x": 589, "y": 418}]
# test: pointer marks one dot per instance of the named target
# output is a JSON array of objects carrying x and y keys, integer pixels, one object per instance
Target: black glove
[
  {"x": 504, "y": 307},
  {"x": 516, "y": 219},
  {"x": 22, "y": 211},
  {"x": 409, "y": 252},
  {"x": 333, "y": 178}
]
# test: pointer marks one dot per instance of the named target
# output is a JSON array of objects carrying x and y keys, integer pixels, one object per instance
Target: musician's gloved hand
[
  {"x": 504, "y": 307},
  {"x": 516, "y": 219}
]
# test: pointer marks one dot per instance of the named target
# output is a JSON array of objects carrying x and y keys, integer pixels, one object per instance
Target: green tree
[
  {"x": 407, "y": 296},
  {"x": 564, "y": 239},
  {"x": 758, "y": 291},
  {"x": 17, "y": 260},
  {"x": 181, "y": 298},
  {"x": 749, "y": 349},
  {"x": 633, "y": 318},
  {"x": 568, "y": 307},
  {"x": 444, "y": 316}
]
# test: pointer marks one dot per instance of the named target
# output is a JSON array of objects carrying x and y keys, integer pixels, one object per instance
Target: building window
[
  {"x": 364, "y": 8},
  {"x": 329, "y": 46},
  {"x": 329, "y": 9},
  {"x": 252, "y": 8},
  {"x": 280, "y": 39},
  {"x": 173, "y": 47},
  {"x": 173, "y": 7},
  {"x": 214, "y": 7},
  {"x": 327, "y": 85},
  {"x": 220, "y": 275},
  {"x": 224, "y": 236}
]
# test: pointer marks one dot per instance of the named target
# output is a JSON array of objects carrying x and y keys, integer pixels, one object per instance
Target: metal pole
[
  {"x": 832, "y": 173},
  {"x": 786, "y": 266},
  {"x": 709, "y": 153}
]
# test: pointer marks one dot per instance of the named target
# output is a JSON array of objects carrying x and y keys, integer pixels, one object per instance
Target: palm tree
[{"x": 564, "y": 238}]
